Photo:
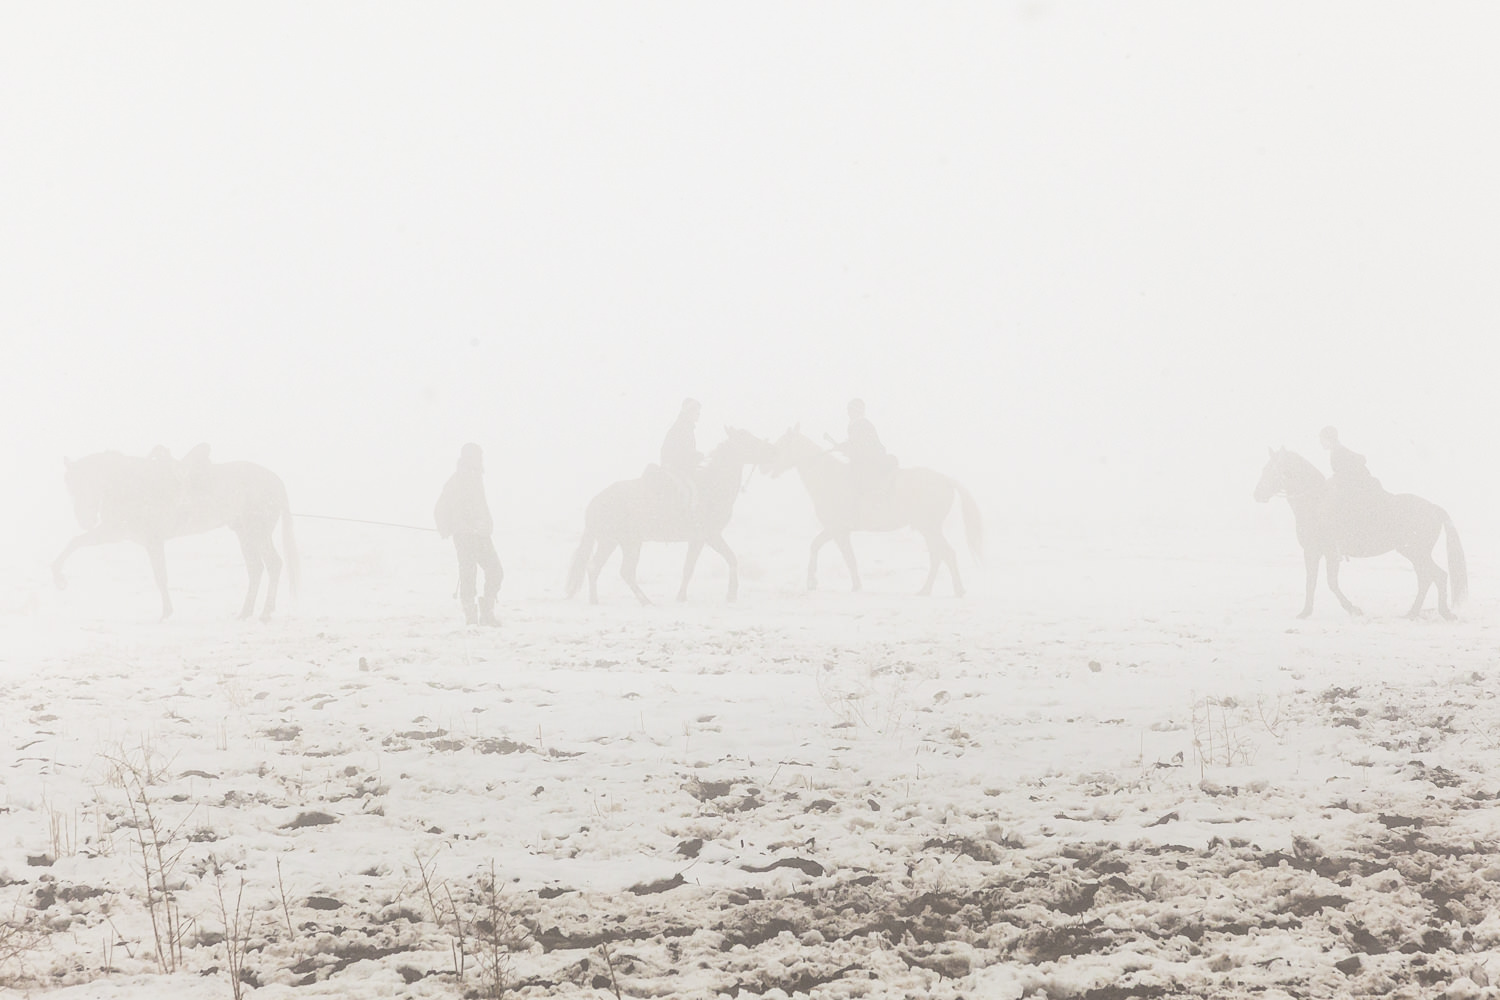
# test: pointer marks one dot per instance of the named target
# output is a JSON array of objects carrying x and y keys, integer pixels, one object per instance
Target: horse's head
[
  {"x": 744, "y": 448},
  {"x": 86, "y": 487},
  {"x": 1286, "y": 472},
  {"x": 790, "y": 450}
]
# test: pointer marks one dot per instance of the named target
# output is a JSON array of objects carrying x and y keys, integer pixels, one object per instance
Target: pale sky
[{"x": 1072, "y": 254}]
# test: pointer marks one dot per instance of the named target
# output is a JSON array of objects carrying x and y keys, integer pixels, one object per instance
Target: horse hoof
[{"x": 1305, "y": 614}]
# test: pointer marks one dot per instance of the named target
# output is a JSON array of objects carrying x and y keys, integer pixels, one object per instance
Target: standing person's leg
[
  {"x": 465, "y": 546},
  {"x": 489, "y": 561}
]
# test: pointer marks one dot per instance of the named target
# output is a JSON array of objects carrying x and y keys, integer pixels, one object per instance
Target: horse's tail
[
  {"x": 973, "y": 525},
  {"x": 580, "y": 561},
  {"x": 1458, "y": 565},
  {"x": 289, "y": 544}
]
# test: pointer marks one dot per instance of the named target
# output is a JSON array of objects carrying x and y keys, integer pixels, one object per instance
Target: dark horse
[
  {"x": 149, "y": 500},
  {"x": 916, "y": 497},
  {"x": 651, "y": 509},
  {"x": 1401, "y": 522}
]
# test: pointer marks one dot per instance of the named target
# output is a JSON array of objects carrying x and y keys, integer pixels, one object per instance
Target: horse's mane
[
  {"x": 1294, "y": 465},
  {"x": 721, "y": 451}
]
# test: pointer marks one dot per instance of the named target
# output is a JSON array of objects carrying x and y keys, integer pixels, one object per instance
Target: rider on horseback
[
  {"x": 680, "y": 457},
  {"x": 870, "y": 465},
  {"x": 1352, "y": 491}
]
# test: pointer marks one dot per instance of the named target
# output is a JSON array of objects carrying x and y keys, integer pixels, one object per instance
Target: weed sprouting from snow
[
  {"x": 161, "y": 842},
  {"x": 238, "y": 924},
  {"x": 21, "y": 935},
  {"x": 1219, "y": 738},
  {"x": 480, "y": 923},
  {"x": 880, "y": 700}
]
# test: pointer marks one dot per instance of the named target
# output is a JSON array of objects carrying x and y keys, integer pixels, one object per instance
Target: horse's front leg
[
  {"x": 1333, "y": 585},
  {"x": 824, "y": 537},
  {"x": 94, "y": 536},
  {"x": 1310, "y": 559},
  {"x": 156, "y": 549},
  {"x": 630, "y": 557},
  {"x": 688, "y": 565},
  {"x": 847, "y": 548},
  {"x": 720, "y": 546}
]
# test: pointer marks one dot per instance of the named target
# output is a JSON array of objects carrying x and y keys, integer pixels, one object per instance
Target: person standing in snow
[{"x": 463, "y": 513}]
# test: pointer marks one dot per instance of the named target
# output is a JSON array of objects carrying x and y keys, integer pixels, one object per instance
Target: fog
[{"x": 1089, "y": 259}]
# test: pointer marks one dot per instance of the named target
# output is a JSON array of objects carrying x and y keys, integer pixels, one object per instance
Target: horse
[
  {"x": 651, "y": 508},
  {"x": 1401, "y": 522},
  {"x": 149, "y": 500},
  {"x": 916, "y": 497}
]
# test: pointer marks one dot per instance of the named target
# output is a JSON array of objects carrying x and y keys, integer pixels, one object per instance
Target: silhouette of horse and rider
[
  {"x": 687, "y": 498},
  {"x": 872, "y": 492},
  {"x": 1350, "y": 515}
]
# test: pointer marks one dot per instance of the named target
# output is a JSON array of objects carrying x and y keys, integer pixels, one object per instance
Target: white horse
[
  {"x": 918, "y": 498},
  {"x": 651, "y": 508},
  {"x": 148, "y": 500},
  {"x": 1385, "y": 522}
]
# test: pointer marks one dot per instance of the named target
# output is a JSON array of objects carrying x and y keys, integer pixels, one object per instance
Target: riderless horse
[
  {"x": 651, "y": 508},
  {"x": 149, "y": 500},
  {"x": 1381, "y": 523},
  {"x": 915, "y": 497}
]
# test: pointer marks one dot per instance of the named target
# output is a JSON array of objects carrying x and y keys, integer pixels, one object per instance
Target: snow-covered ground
[{"x": 1113, "y": 770}]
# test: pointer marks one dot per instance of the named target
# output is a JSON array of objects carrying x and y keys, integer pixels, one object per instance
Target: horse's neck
[
  {"x": 1306, "y": 496},
  {"x": 721, "y": 472},
  {"x": 1303, "y": 479},
  {"x": 820, "y": 472}
]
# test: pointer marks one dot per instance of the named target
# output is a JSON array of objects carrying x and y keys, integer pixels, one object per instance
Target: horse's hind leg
[
  {"x": 630, "y": 557},
  {"x": 605, "y": 549},
  {"x": 940, "y": 552},
  {"x": 688, "y": 565},
  {"x": 254, "y": 565},
  {"x": 273, "y": 564},
  {"x": 1428, "y": 573},
  {"x": 718, "y": 544}
]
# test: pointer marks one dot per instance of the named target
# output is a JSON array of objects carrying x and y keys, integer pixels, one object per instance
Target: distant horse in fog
[
  {"x": 651, "y": 509},
  {"x": 919, "y": 498},
  {"x": 149, "y": 500},
  {"x": 1394, "y": 522}
]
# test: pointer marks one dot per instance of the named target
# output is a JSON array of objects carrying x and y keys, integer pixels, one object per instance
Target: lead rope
[{"x": 356, "y": 520}]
